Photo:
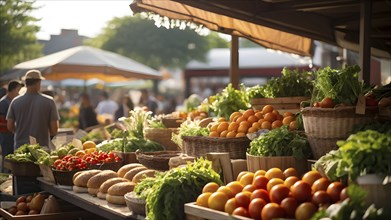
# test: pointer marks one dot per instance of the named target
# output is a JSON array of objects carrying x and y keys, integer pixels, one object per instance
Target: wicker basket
[
  {"x": 283, "y": 103},
  {"x": 199, "y": 146},
  {"x": 64, "y": 177},
  {"x": 127, "y": 157},
  {"x": 325, "y": 126},
  {"x": 255, "y": 163},
  {"x": 22, "y": 168},
  {"x": 172, "y": 122},
  {"x": 136, "y": 205},
  {"x": 157, "y": 160},
  {"x": 162, "y": 136}
]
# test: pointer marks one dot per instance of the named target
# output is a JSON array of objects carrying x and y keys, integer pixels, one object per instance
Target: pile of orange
[{"x": 250, "y": 121}]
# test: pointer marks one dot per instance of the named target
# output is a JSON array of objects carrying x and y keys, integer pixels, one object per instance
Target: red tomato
[
  {"x": 334, "y": 190},
  {"x": 241, "y": 212},
  {"x": 317, "y": 104},
  {"x": 320, "y": 184},
  {"x": 249, "y": 188},
  {"x": 289, "y": 205},
  {"x": 290, "y": 181},
  {"x": 344, "y": 194},
  {"x": 255, "y": 208},
  {"x": 305, "y": 211},
  {"x": 272, "y": 211},
  {"x": 260, "y": 182},
  {"x": 278, "y": 193},
  {"x": 301, "y": 191},
  {"x": 327, "y": 103},
  {"x": 260, "y": 193},
  {"x": 321, "y": 198},
  {"x": 230, "y": 206},
  {"x": 242, "y": 199}
]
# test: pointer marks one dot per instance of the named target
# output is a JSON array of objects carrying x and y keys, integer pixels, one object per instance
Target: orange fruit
[
  {"x": 286, "y": 114},
  {"x": 266, "y": 125},
  {"x": 270, "y": 117},
  {"x": 267, "y": 109},
  {"x": 214, "y": 127},
  {"x": 243, "y": 128},
  {"x": 280, "y": 117},
  {"x": 89, "y": 144},
  {"x": 202, "y": 200},
  {"x": 261, "y": 120},
  {"x": 256, "y": 125},
  {"x": 233, "y": 126},
  {"x": 240, "y": 134},
  {"x": 274, "y": 173},
  {"x": 226, "y": 190},
  {"x": 224, "y": 133},
  {"x": 248, "y": 113},
  {"x": 234, "y": 115},
  {"x": 214, "y": 134},
  {"x": 241, "y": 174},
  {"x": 230, "y": 206},
  {"x": 240, "y": 119},
  {"x": 210, "y": 187},
  {"x": 293, "y": 125},
  {"x": 252, "y": 119},
  {"x": 221, "y": 119},
  {"x": 252, "y": 130},
  {"x": 259, "y": 115},
  {"x": 273, "y": 182},
  {"x": 231, "y": 134},
  {"x": 217, "y": 201},
  {"x": 276, "y": 124},
  {"x": 287, "y": 120},
  {"x": 247, "y": 179},
  {"x": 246, "y": 123},
  {"x": 276, "y": 112},
  {"x": 311, "y": 176},
  {"x": 235, "y": 187},
  {"x": 222, "y": 126},
  {"x": 260, "y": 173}
]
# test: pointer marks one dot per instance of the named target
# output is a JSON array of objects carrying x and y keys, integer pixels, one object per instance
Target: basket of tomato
[
  {"x": 103, "y": 160},
  {"x": 64, "y": 169}
]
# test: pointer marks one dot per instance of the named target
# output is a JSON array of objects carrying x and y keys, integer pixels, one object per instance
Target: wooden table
[{"x": 86, "y": 201}]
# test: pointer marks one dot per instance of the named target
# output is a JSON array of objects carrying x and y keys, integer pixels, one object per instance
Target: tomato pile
[
  {"x": 70, "y": 163},
  {"x": 249, "y": 121},
  {"x": 273, "y": 194}
]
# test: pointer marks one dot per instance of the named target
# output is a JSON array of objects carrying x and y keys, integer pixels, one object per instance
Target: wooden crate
[
  {"x": 283, "y": 104},
  {"x": 195, "y": 212}
]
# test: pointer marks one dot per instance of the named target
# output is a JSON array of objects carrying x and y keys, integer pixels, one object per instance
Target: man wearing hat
[
  {"x": 7, "y": 137},
  {"x": 33, "y": 114}
]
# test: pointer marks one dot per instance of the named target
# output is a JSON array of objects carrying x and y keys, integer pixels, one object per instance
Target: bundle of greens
[
  {"x": 291, "y": 83},
  {"x": 131, "y": 145},
  {"x": 352, "y": 208},
  {"x": 167, "y": 193},
  {"x": 189, "y": 128},
  {"x": 228, "y": 101},
  {"x": 135, "y": 122},
  {"x": 341, "y": 85},
  {"x": 29, "y": 153},
  {"x": 280, "y": 142}
]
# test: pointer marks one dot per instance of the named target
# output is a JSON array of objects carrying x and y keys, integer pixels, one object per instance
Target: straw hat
[{"x": 33, "y": 74}]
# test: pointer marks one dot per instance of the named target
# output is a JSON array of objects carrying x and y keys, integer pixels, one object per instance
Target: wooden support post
[
  {"x": 234, "y": 68},
  {"x": 365, "y": 40},
  {"x": 222, "y": 165}
]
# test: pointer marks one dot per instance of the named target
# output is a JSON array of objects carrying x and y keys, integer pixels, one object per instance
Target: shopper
[
  {"x": 33, "y": 114},
  {"x": 107, "y": 107},
  {"x": 148, "y": 101},
  {"x": 6, "y": 136},
  {"x": 87, "y": 114},
  {"x": 125, "y": 106}
]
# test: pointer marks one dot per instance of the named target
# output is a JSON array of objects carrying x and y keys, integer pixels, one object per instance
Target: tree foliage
[
  {"x": 142, "y": 41},
  {"x": 18, "y": 42}
]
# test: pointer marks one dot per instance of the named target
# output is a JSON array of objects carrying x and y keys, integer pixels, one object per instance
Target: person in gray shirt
[{"x": 33, "y": 114}]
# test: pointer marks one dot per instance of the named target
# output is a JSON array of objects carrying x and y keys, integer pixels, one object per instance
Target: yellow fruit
[
  {"x": 222, "y": 127},
  {"x": 214, "y": 134},
  {"x": 90, "y": 150},
  {"x": 89, "y": 144},
  {"x": 233, "y": 126},
  {"x": 81, "y": 153}
]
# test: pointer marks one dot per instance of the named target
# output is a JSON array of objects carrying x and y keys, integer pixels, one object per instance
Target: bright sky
[{"x": 89, "y": 17}]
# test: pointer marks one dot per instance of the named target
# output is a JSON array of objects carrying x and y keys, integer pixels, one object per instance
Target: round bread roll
[
  {"x": 116, "y": 192},
  {"x": 94, "y": 182},
  {"x": 143, "y": 174},
  {"x": 131, "y": 173},
  {"x": 106, "y": 185},
  {"x": 80, "y": 189},
  {"x": 124, "y": 169},
  {"x": 77, "y": 174},
  {"x": 82, "y": 178}
]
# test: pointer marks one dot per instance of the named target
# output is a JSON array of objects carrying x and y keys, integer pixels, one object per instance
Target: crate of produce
[
  {"x": 255, "y": 163},
  {"x": 284, "y": 103},
  {"x": 22, "y": 168},
  {"x": 325, "y": 126},
  {"x": 199, "y": 146},
  {"x": 156, "y": 160},
  {"x": 195, "y": 212},
  {"x": 162, "y": 136}
]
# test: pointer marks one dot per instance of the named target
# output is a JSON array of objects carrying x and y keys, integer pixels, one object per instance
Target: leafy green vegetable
[
  {"x": 280, "y": 142},
  {"x": 290, "y": 83},
  {"x": 131, "y": 145},
  {"x": 136, "y": 121},
  {"x": 341, "y": 85},
  {"x": 29, "y": 153},
  {"x": 189, "y": 128},
  {"x": 382, "y": 127},
  {"x": 229, "y": 100},
  {"x": 169, "y": 191}
]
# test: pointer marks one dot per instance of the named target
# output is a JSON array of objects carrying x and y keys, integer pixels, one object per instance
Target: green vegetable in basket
[
  {"x": 280, "y": 142},
  {"x": 169, "y": 191},
  {"x": 189, "y": 128}
]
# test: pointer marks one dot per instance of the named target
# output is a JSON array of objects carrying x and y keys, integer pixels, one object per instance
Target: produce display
[
  {"x": 275, "y": 194},
  {"x": 29, "y": 153},
  {"x": 28, "y": 204},
  {"x": 167, "y": 193}
]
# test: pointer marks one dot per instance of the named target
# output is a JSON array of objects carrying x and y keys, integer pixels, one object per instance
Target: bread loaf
[
  {"x": 131, "y": 173},
  {"x": 80, "y": 181},
  {"x": 116, "y": 192},
  {"x": 142, "y": 175},
  {"x": 124, "y": 169},
  {"x": 107, "y": 184},
  {"x": 96, "y": 181}
]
